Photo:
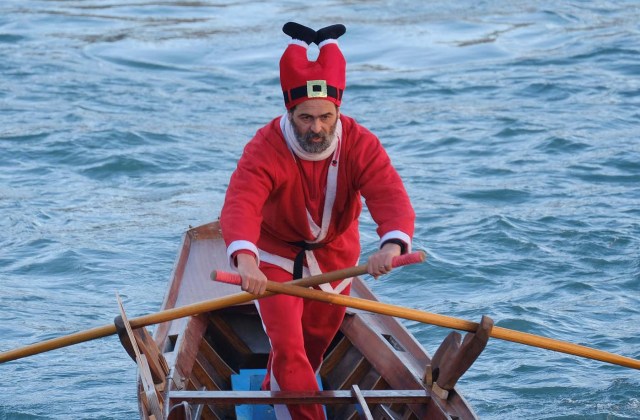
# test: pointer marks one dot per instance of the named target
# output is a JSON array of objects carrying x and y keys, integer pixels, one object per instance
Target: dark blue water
[{"x": 514, "y": 124}]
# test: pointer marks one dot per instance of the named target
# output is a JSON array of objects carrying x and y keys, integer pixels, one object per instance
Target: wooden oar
[
  {"x": 435, "y": 319},
  {"x": 191, "y": 310}
]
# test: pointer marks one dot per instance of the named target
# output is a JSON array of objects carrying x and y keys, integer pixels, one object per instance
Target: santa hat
[{"x": 302, "y": 79}]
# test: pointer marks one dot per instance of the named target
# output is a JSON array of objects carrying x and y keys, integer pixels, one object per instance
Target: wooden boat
[{"x": 200, "y": 367}]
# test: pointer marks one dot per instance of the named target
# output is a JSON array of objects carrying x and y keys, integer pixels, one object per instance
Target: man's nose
[{"x": 316, "y": 125}]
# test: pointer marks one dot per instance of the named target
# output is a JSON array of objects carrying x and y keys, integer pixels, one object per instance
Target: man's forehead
[{"x": 316, "y": 107}]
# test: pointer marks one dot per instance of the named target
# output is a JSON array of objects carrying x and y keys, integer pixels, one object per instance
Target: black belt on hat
[
  {"x": 303, "y": 92},
  {"x": 297, "y": 262}
]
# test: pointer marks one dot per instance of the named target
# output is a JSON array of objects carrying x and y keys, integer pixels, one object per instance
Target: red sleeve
[
  {"x": 383, "y": 189},
  {"x": 249, "y": 188}
]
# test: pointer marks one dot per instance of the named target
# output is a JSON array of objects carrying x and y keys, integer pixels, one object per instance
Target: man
[{"x": 292, "y": 208}]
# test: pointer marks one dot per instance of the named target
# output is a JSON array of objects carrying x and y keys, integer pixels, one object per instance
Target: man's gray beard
[{"x": 306, "y": 140}]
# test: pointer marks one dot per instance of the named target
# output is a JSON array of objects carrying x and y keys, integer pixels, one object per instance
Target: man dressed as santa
[{"x": 292, "y": 208}]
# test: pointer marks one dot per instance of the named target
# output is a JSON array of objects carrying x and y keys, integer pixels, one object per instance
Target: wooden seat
[{"x": 410, "y": 396}]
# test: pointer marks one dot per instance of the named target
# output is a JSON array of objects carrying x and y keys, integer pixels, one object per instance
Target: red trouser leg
[
  {"x": 321, "y": 322},
  {"x": 300, "y": 331}
]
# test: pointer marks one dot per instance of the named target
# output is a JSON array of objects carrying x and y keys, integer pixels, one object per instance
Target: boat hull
[{"x": 374, "y": 366}]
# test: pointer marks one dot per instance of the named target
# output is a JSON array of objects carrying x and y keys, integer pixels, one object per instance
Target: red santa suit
[{"x": 277, "y": 199}]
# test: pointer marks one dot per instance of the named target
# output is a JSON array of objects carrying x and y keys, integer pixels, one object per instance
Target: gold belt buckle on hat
[{"x": 316, "y": 89}]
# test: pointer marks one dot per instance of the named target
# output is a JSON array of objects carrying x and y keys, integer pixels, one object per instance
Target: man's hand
[
  {"x": 381, "y": 262},
  {"x": 253, "y": 280}
]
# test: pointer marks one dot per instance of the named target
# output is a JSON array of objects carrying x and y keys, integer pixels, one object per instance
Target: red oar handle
[
  {"x": 226, "y": 277},
  {"x": 407, "y": 259},
  {"x": 399, "y": 261}
]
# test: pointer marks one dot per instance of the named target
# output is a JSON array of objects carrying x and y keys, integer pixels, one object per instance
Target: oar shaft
[
  {"x": 243, "y": 297},
  {"x": 191, "y": 310},
  {"x": 56, "y": 343},
  {"x": 563, "y": 347},
  {"x": 142, "y": 321},
  {"x": 453, "y": 323}
]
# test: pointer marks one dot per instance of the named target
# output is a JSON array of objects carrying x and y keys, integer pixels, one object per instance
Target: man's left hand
[{"x": 381, "y": 262}]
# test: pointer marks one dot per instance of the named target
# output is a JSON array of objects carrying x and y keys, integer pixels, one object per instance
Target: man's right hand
[{"x": 253, "y": 280}]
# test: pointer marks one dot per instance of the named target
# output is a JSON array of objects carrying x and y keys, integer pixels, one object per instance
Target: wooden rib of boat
[{"x": 201, "y": 367}]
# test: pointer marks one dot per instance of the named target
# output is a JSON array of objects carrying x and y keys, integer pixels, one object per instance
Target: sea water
[{"x": 513, "y": 124}]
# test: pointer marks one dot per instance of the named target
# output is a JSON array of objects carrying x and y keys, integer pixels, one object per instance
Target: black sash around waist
[{"x": 297, "y": 262}]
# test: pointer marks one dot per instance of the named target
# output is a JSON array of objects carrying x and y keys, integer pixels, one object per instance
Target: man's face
[{"x": 314, "y": 123}]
